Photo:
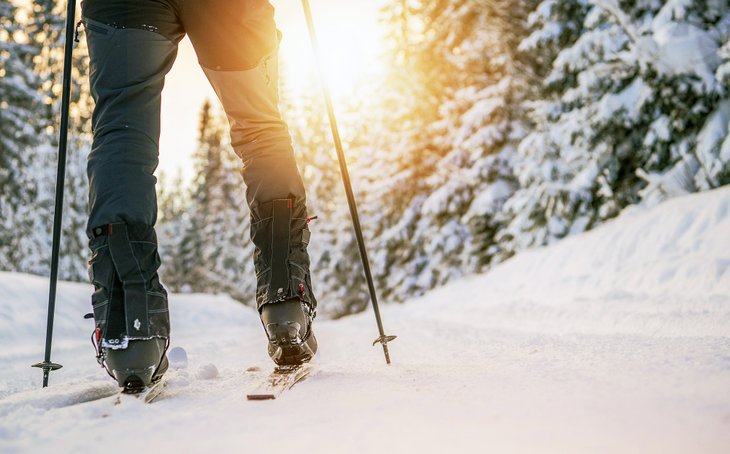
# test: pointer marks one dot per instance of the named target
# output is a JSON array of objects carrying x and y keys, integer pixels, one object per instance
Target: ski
[
  {"x": 147, "y": 395},
  {"x": 280, "y": 380}
]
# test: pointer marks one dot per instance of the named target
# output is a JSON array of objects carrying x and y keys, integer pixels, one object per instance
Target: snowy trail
[{"x": 617, "y": 340}]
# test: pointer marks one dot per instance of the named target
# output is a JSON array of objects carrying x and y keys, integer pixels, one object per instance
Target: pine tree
[
  {"x": 173, "y": 222},
  {"x": 48, "y": 30},
  {"x": 19, "y": 102},
  {"x": 451, "y": 171},
  {"x": 43, "y": 31},
  {"x": 618, "y": 107},
  {"x": 206, "y": 244},
  {"x": 706, "y": 165}
]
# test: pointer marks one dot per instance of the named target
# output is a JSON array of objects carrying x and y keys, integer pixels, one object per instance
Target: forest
[{"x": 501, "y": 126}]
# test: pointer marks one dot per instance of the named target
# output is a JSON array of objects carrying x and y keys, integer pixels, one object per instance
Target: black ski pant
[{"x": 132, "y": 46}]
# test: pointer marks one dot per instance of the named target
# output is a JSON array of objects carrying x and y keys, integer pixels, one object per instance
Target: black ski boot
[
  {"x": 139, "y": 365},
  {"x": 129, "y": 305},
  {"x": 284, "y": 290},
  {"x": 288, "y": 325}
]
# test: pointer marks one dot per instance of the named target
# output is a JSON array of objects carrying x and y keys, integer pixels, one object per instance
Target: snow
[
  {"x": 674, "y": 46},
  {"x": 615, "y": 340},
  {"x": 687, "y": 49},
  {"x": 713, "y": 134},
  {"x": 628, "y": 102},
  {"x": 486, "y": 201}
]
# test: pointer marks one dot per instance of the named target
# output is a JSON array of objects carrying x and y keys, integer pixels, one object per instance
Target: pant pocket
[
  {"x": 157, "y": 312},
  {"x": 101, "y": 276}
]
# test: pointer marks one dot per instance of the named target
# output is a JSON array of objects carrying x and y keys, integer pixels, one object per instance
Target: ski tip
[
  {"x": 146, "y": 394},
  {"x": 260, "y": 397}
]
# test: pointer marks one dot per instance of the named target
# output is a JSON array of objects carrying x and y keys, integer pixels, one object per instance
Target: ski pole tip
[
  {"x": 383, "y": 340},
  {"x": 47, "y": 365}
]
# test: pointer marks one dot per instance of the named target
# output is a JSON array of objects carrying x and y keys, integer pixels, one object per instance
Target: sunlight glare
[{"x": 350, "y": 41}]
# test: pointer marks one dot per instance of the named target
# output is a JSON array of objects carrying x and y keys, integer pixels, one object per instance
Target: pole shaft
[
  {"x": 345, "y": 177},
  {"x": 60, "y": 179}
]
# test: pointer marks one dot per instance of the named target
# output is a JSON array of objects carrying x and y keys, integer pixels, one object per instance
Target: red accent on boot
[{"x": 97, "y": 343}]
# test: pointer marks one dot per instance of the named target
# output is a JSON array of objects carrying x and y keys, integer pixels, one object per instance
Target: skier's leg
[
  {"x": 236, "y": 42},
  {"x": 132, "y": 45}
]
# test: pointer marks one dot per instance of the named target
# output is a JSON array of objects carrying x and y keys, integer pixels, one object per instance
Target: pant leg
[
  {"x": 236, "y": 42},
  {"x": 127, "y": 70},
  {"x": 132, "y": 45},
  {"x": 258, "y": 134}
]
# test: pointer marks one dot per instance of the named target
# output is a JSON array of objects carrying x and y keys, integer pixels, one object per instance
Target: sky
[{"x": 350, "y": 40}]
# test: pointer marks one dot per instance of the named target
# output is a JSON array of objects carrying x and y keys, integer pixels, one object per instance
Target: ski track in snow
[{"x": 617, "y": 340}]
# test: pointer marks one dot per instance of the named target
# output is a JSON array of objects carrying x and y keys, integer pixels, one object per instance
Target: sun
[{"x": 350, "y": 41}]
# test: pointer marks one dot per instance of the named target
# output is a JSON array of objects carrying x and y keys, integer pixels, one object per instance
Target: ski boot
[
  {"x": 139, "y": 365},
  {"x": 129, "y": 305},
  {"x": 284, "y": 294},
  {"x": 288, "y": 325}
]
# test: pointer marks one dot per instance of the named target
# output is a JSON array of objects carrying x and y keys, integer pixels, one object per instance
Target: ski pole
[
  {"x": 382, "y": 339},
  {"x": 47, "y": 365}
]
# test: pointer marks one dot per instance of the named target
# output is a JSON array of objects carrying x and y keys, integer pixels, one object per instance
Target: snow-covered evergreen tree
[
  {"x": 19, "y": 103},
  {"x": 700, "y": 29},
  {"x": 173, "y": 200},
  {"x": 46, "y": 28},
  {"x": 628, "y": 91},
  {"x": 33, "y": 46},
  {"x": 448, "y": 158}
]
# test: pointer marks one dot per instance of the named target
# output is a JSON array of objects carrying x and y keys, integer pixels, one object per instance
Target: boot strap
[
  {"x": 133, "y": 282},
  {"x": 280, "y": 243}
]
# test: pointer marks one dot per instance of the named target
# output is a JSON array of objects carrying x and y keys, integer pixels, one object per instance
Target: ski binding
[{"x": 280, "y": 380}]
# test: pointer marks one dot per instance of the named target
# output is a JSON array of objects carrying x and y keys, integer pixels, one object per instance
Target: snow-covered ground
[{"x": 617, "y": 340}]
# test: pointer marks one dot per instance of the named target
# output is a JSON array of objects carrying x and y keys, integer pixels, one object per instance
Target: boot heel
[
  {"x": 140, "y": 364},
  {"x": 286, "y": 346},
  {"x": 291, "y": 341}
]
